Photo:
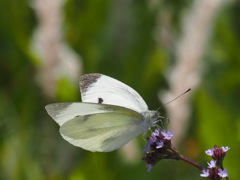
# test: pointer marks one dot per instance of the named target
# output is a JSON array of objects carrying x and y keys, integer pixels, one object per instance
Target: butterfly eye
[{"x": 154, "y": 115}]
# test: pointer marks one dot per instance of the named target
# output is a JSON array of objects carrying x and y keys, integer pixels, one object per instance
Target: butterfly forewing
[{"x": 98, "y": 88}]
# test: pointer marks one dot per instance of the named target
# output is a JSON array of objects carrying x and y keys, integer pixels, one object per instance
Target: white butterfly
[{"x": 110, "y": 115}]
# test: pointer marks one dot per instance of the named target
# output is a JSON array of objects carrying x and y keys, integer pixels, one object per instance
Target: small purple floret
[
  {"x": 167, "y": 134},
  {"x": 159, "y": 145},
  {"x": 149, "y": 167},
  {"x": 222, "y": 173},
  {"x": 212, "y": 164},
  {"x": 225, "y": 149},
  {"x": 209, "y": 152},
  {"x": 205, "y": 173},
  {"x": 151, "y": 140},
  {"x": 156, "y": 133},
  {"x": 147, "y": 148}
]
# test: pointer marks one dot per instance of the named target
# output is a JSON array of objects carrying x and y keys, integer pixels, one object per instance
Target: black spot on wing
[
  {"x": 86, "y": 81},
  {"x": 100, "y": 100}
]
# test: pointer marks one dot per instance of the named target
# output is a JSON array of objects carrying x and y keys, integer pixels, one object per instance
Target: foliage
[{"x": 115, "y": 38}]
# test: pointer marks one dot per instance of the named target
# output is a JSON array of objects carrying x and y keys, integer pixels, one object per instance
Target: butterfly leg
[{"x": 144, "y": 136}]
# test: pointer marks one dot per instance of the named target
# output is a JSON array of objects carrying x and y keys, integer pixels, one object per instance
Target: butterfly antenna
[{"x": 174, "y": 98}]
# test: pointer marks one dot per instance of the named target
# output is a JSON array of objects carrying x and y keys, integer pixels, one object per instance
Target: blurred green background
[{"x": 46, "y": 46}]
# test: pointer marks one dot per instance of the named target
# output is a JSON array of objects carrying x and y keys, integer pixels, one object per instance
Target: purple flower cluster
[
  {"x": 158, "y": 140},
  {"x": 158, "y": 147},
  {"x": 216, "y": 170}
]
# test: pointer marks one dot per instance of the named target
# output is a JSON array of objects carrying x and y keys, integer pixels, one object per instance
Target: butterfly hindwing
[{"x": 102, "y": 132}]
